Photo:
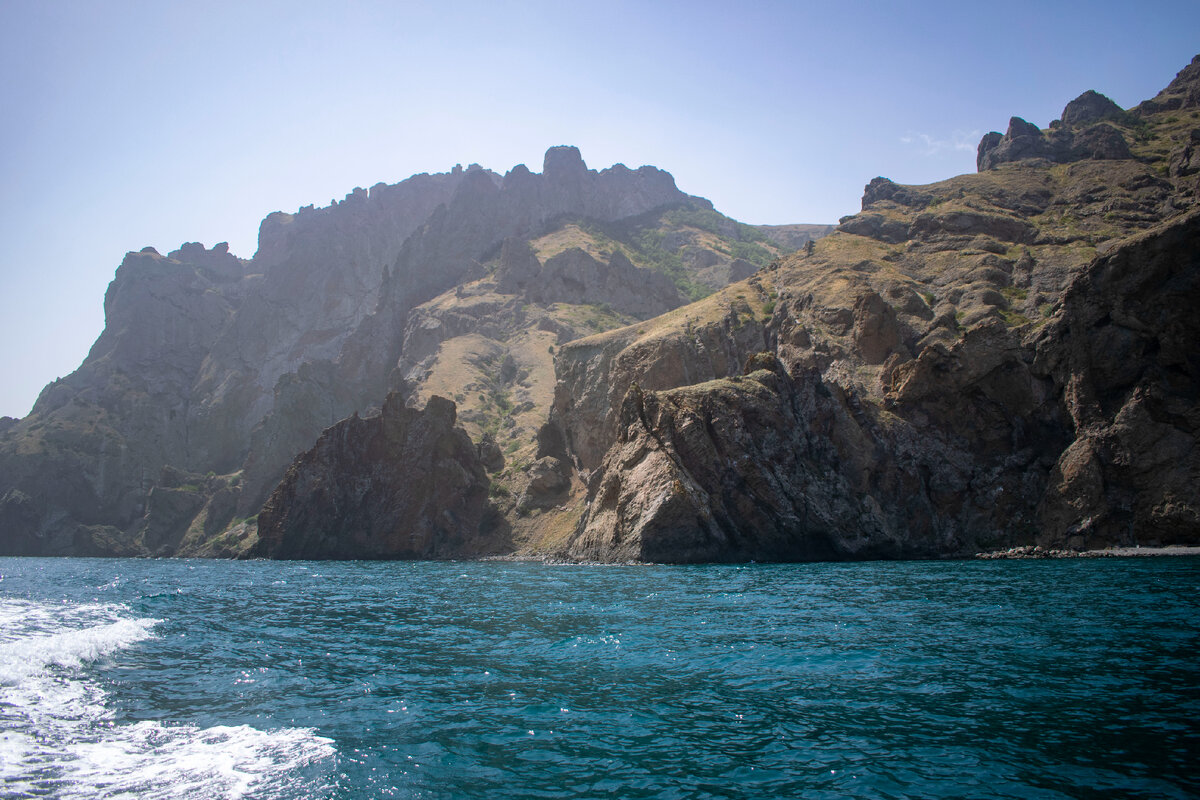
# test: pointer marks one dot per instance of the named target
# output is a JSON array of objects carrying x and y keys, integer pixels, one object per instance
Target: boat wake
[{"x": 59, "y": 738}]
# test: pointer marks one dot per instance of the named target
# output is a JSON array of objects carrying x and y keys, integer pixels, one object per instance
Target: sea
[{"x": 181, "y": 679}]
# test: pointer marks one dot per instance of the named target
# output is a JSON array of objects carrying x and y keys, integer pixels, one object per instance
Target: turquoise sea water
[{"x": 189, "y": 679}]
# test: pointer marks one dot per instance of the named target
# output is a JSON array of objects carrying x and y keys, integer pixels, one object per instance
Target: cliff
[
  {"x": 222, "y": 370},
  {"x": 998, "y": 359},
  {"x": 611, "y": 370},
  {"x": 407, "y": 484}
]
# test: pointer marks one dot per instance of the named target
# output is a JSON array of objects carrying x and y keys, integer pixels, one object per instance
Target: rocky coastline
[
  {"x": 1038, "y": 552},
  {"x": 594, "y": 366}
]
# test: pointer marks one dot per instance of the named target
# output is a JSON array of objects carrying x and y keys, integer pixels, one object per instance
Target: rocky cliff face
[
  {"x": 402, "y": 485},
  {"x": 319, "y": 272},
  {"x": 1124, "y": 354},
  {"x": 753, "y": 467},
  {"x": 999, "y": 359},
  {"x": 448, "y": 251},
  {"x": 76, "y": 472},
  {"x": 993, "y": 360},
  {"x": 223, "y": 370}
]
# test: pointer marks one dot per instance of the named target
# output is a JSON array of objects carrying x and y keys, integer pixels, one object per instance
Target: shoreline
[{"x": 1037, "y": 551}]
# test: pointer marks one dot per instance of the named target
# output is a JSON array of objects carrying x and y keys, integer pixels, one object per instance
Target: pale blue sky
[{"x": 128, "y": 124}]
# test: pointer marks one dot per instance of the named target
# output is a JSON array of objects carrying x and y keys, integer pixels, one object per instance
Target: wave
[
  {"x": 58, "y": 737},
  {"x": 31, "y": 656}
]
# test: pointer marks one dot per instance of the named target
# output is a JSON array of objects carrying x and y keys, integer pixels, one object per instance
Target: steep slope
[
  {"x": 213, "y": 372},
  {"x": 79, "y": 468},
  {"x": 997, "y": 359},
  {"x": 464, "y": 300}
]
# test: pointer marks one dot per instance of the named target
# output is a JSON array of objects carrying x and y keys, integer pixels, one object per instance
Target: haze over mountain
[
  {"x": 213, "y": 373},
  {"x": 136, "y": 124}
]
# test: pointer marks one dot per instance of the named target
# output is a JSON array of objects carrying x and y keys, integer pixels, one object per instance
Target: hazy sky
[{"x": 128, "y": 124}]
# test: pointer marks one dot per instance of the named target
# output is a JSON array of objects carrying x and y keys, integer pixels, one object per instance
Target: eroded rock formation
[
  {"x": 996, "y": 360},
  {"x": 404, "y": 484},
  {"x": 226, "y": 369}
]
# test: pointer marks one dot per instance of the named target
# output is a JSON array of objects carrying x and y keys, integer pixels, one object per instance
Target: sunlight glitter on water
[{"x": 469, "y": 681}]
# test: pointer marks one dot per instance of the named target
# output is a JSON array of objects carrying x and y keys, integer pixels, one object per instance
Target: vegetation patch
[{"x": 1014, "y": 319}]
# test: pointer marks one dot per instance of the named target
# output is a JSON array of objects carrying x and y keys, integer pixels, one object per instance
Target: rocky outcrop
[
  {"x": 318, "y": 273},
  {"x": 448, "y": 251},
  {"x": 405, "y": 484},
  {"x": 766, "y": 466},
  {"x": 1082, "y": 133},
  {"x": 548, "y": 483},
  {"x": 990, "y": 362},
  {"x": 1181, "y": 93},
  {"x": 575, "y": 276},
  {"x": 1091, "y": 106},
  {"x": 1185, "y": 162},
  {"x": 998, "y": 360},
  {"x": 78, "y": 468},
  {"x": 711, "y": 340},
  {"x": 1124, "y": 354},
  {"x": 716, "y": 473},
  {"x": 177, "y": 377},
  {"x": 797, "y": 463}
]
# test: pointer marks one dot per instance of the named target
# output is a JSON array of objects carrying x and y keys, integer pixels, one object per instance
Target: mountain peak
[
  {"x": 563, "y": 160},
  {"x": 1183, "y": 92},
  {"x": 1091, "y": 106}
]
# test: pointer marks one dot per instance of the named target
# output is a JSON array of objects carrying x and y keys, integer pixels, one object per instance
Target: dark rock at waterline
[{"x": 405, "y": 484}]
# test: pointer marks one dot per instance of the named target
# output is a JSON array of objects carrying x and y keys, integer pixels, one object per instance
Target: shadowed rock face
[
  {"x": 778, "y": 466},
  {"x": 403, "y": 485},
  {"x": 483, "y": 210},
  {"x": 1125, "y": 354},
  {"x": 1085, "y": 436},
  {"x": 183, "y": 372},
  {"x": 739, "y": 469}
]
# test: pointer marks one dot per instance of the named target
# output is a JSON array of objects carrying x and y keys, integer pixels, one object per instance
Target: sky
[{"x": 126, "y": 124}]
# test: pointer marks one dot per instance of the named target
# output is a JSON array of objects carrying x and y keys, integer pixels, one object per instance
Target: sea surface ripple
[{"x": 193, "y": 679}]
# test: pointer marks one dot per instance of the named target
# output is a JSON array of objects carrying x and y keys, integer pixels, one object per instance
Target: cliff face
[
  {"x": 754, "y": 467},
  {"x": 439, "y": 270},
  {"x": 316, "y": 276},
  {"x": 1124, "y": 354},
  {"x": 402, "y": 485},
  {"x": 78, "y": 469},
  {"x": 223, "y": 370},
  {"x": 997, "y": 359}
]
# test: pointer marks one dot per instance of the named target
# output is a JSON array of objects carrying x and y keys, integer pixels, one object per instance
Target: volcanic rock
[
  {"x": 1091, "y": 106},
  {"x": 1000, "y": 363},
  {"x": 406, "y": 484}
]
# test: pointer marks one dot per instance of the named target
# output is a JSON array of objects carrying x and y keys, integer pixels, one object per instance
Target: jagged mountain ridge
[
  {"x": 214, "y": 372},
  {"x": 998, "y": 359}
]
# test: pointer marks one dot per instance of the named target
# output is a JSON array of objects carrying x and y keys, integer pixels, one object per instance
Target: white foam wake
[
  {"x": 58, "y": 738},
  {"x": 183, "y": 761},
  {"x": 32, "y": 655}
]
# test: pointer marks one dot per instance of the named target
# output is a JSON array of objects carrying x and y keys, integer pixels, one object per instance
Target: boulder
[{"x": 549, "y": 480}]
